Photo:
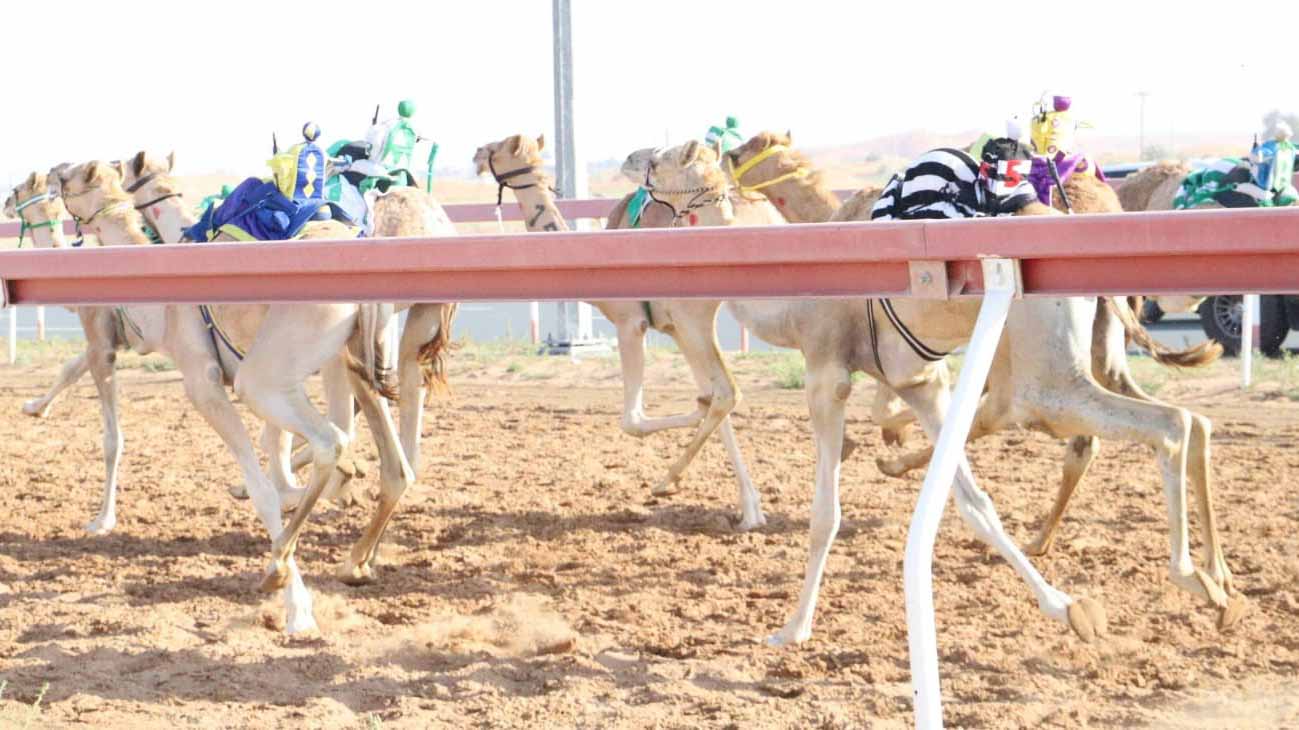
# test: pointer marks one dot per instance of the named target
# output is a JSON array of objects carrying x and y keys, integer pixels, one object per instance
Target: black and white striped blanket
[{"x": 949, "y": 183}]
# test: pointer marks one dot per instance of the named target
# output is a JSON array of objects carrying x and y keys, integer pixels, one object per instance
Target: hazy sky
[{"x": 212, "y": 80}]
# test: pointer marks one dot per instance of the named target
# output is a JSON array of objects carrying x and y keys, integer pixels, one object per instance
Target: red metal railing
[
  {"x": 1149, "y": 253},
  {"x": 462, "y": 212}
]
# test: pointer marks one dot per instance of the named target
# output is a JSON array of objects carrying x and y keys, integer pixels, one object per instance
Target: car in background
[{"x": 1221, "y": 315}]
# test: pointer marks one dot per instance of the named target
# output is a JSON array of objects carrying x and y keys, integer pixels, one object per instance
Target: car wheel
[{"x": 1221, "y": 316}]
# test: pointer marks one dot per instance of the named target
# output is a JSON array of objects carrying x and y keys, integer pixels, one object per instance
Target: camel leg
[
  {"x": 1078, "y": 456},
  {"x": 891, "y": 414},
  {"x": 828, "y": 387},
  {"x": 338, "y": 400},
  {"x": 631, "y": 358},
  {"x": 101, "y": 356},
  {"x": 1088, "y": 409},
  {"x": 395, "y": 475},
  {"x": 1215, "y": 562},
  {"x": 695, "y": 333},
  {"x": 422, "y": 324},
  {"x": 930, "y": 401},
  {"x": 751, "y": 516},
  {"x": 293, "y": 342},
  {"x": 277, "y": 444},
  {"x": 985, "y": 422},
  {"x": 70, "y": 373},
  {"x": 336, "y": 380}
]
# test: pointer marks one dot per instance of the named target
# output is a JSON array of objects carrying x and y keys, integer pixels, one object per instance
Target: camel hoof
[
  {"x": 356, "y": 575},
  {"x": 1231, "y": 614},
  {"x": 1039, "y": 548},
  {"x": 300, "y": 622},
  {"x": 745, "y": 524},
  {"x": 1087, "y": 619},
  {"x": 101, "y": 525},
  {"x": 787, "y": 637},
  {"x": 33, "y": 408},
  {"x": 665, "y": 488},
  {"x": 238, "y": 491},
  {"x": 277, "y": 576},
  {"x": 889, "y": 467}
]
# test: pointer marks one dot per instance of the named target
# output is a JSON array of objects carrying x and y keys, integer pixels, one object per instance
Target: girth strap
[
  {"x": 923, "y": 351},
  {"x": 214, "y": 331}
]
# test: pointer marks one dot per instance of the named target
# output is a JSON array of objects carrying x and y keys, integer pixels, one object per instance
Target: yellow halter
[{"x": 737, "y": 173}]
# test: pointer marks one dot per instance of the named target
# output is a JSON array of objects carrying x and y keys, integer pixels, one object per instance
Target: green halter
[{"x": 23, "y": 225}]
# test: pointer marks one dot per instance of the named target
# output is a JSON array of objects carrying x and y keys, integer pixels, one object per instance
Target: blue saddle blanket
[{"x": 257, "y": 210}]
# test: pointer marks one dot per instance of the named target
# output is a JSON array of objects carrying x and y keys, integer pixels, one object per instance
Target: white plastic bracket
[{"x": 1002, "y": 283}]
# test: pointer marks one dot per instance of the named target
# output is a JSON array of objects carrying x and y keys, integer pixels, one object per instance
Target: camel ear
[
  {"x": 515, "y": 144},
  {"x": 717, "y": 147},
  {"x": 31, "y": 182},
  {"x": 690, "y": 152},
  {"x": 93, "y": 171},
  {"x": 137, "y": 164},
  {"x": 171, "y": 160},
  {"x": 789, "y": 137},
  {"x": 541, "y": 142}
]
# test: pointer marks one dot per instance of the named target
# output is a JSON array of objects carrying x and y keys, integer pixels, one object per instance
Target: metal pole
[
  {"x": 40, "y": 324},
  {"x": 744, "y": 339},
  {"x": 1248, "y": 322},
  {"x": 917, "y": 565},
  {"x": 534, "y": 322},
  {"x": 570, "y": 173},
  {"x": 1141, "y": 134},
  {"x": 13, "y": 335}
]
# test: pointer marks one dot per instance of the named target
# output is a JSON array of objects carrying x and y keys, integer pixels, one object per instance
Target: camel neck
[
  {"x": 48, "y": 236},
  {"x": 118, "y": 227},
  {"x": 540, "y": 213},
  {"x": 801, "y": 200}
]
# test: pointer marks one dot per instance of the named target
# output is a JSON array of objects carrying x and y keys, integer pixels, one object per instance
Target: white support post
[
  {"x": 40, "y": 323},
  {"x": 13, "y": 335},
  {"x": 1248, "y": 324},
  {"x": 1000, "y": 284},
  {"x": 744, "y": 338},
  {"x": 534, "y": 322}
]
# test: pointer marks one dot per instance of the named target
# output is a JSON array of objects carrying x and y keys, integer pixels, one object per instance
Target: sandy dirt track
[{"x": 529, "y": 580}]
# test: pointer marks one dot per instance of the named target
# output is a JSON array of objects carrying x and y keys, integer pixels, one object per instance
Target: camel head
[
  {"x": 688, "y": 178},
  {"x": 688, "y": 166},
  {"x": 637, "y": 164},
  {"x": 517, "y": 152},
  {"x": 766, "y": 158},
  {"x": 88, "y": 188},
  {"x": 34, "y": 211},
  {"x": 148, "y": 177}
]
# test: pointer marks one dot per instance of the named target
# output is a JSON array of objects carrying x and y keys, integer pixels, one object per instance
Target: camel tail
[
  {"x": 372, "y": 365},
  {"x": 1198, "y": 356},
  {"x": 432, "y": 354}
]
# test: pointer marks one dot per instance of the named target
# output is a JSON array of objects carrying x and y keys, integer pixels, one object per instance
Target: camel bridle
[
  {"x": 503, "y": 178},
  {"x": 23, "y": 224},
  {"x": 699, "y": 196},
  {"x": 151, "y": 227},
  {"x": 737, "y": 173}
]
